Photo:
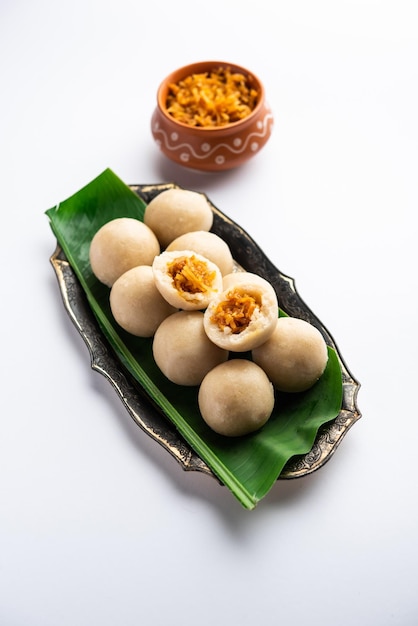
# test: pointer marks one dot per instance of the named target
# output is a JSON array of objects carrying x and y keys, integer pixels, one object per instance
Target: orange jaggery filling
[
  {"x": 235, "y": 312},
  {"x": 191, "y": 275},
  {"x": 213, "y": 98}
]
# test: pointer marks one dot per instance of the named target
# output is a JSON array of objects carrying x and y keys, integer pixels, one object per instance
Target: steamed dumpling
[
  {"x": 236, "y": 398},
  {"x": 294, "y": 357},
  {"x": 187, "y": 280},
  {"x": 136, "y": 304},
  {"x": 209, "y": 245},
  {"x": 182, "y": 349},
  {"x": 243, "y": 316},
  {"x": 177, "y": 211},
  {"x": 119, "y": 245},
  {"x": 239, "y": 277}
]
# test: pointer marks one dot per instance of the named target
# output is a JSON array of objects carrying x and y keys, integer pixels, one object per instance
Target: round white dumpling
[
  {"x": 239, "y": 277},
  {"x": 236, "y": 398},
  {"x": 209, "y": 245},
  {"x": 120, "y": 245},
  {"x": 182, "y": 349},
  {"x": 177, "y": 211},
  {"x": 243, "y": 316},
  {"x": 186, "y": 279},
  {"x": 136, "y": 304},
  {"x": 294, "y": 357}
]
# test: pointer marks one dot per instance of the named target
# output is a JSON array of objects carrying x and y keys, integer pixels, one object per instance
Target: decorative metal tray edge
[{"x": 138, "y": 404}]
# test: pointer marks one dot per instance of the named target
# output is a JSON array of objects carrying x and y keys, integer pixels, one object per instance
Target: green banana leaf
[{"x": 249, "y": 466}]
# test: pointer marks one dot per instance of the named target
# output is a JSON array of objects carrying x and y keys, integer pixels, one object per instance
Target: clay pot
[{"x": 214, "y": 148}]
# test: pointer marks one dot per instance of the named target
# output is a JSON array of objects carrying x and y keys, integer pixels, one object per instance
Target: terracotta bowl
[{"x": 213, "y": 148}]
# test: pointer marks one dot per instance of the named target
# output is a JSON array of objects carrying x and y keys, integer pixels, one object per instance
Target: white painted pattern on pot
[{"x": 237, "y": 146}]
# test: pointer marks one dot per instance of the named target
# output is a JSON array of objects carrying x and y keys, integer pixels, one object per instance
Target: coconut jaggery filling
[
  {"x": 191, "y": 275},
  {"x": 214, "y": 98},
  {"x": 236, "y": 311}
]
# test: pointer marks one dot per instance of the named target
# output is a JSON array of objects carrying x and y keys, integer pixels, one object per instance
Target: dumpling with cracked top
[
  {"x": 186, "y": 279},
  {"x": 243, "y": 316}
]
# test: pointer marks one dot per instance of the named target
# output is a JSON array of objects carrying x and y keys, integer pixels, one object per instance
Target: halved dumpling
[
  {"x": 243, "y": 316},
  {"x": 187, "y": 280}
]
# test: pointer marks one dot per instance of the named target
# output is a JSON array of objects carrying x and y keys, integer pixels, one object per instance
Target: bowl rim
[{"x": 199, "y": 66}]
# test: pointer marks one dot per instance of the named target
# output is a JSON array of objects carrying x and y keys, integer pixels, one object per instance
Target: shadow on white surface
[{"x": 170, "y": 172}]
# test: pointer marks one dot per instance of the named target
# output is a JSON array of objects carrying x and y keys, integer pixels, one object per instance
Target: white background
[{"x": 98, "y": 524}]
